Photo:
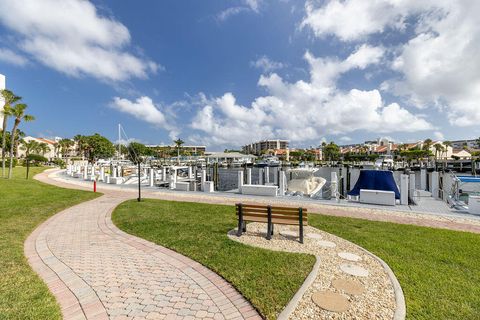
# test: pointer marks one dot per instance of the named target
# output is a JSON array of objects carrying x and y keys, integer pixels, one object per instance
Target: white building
[{"x": 2, "y": 102}]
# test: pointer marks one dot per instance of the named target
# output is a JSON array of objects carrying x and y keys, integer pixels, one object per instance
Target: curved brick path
[{"x": 97, "y": 271}]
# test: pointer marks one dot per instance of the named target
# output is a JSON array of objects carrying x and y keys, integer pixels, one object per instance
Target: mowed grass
[
  {"x": 268, "y": 279},
  {"x": 439, "y": 270},
  {"x": 24, "y": 204}
]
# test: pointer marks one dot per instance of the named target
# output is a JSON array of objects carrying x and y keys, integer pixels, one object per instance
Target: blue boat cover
[
  {"x": 468, "y": 179},
  {"x": 375, "y": 180}
]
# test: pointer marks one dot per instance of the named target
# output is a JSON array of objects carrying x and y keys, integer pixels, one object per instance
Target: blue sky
[{"x": 224, "y": 73}]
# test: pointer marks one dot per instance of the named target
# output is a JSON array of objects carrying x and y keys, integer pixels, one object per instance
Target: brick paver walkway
[{"x": 96, "y": 271}]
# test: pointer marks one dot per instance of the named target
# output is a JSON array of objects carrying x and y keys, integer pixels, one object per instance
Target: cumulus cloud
[
  {"x": 143, "y": 109},
  {"x": 265, "y": 64},
  {"x": 11, "y": 57},
  {"x": 305, "y": 111},
  {"x": 437, "y": 64},
  {"x": 71, "y": 37}
]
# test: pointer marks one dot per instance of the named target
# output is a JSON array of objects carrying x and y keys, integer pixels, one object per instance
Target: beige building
[{"x": 257, "y": 148}]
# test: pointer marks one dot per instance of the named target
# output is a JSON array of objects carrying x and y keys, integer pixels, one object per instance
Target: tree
[
  {"x": 331, "y": 151},
  {"x": 30, "y": 147},
  {"x": 9, "y": 98},
  {"x": 18, "y": 112},
  {"x": 427, "y": 144},
  {"x": 43, "y": 148},
  {"x": 137, "y": 150},
  {"x": 65, "y": 146},
  {"x": 178, "y": 143},
  {"x": 97, "y": 146}
]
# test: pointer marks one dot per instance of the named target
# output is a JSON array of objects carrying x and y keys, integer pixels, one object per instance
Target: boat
[
  {"x": 268, "y": 162},
  {"x": 303, "y": 182},
  {"x": 384, "y": 161}
]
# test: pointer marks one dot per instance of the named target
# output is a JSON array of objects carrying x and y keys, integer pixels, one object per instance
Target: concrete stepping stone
[
  {"x": 354, "y": 270},
  {"x": 313, "y": 236},
  {"x": 349, "y": 256},
  {"x": 288, "y": 233},
  {"x": 331, "y": 301},
  {"x": 326, "y": 244},
  {"x": 348, "y": 286}
]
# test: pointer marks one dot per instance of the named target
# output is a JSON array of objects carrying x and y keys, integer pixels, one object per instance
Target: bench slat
[
  {"x": 254, "y": 206},
  {"x": 274, "y": 216}
]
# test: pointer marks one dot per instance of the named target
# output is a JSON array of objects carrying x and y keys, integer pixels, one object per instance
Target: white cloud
[
  {"x": 249, "y": 6},
  {"x": 143, "y": 109},
  {"x": 438, "y": 63},
  {"x": 352, "y": 20},
  {"x": 11, "y": 57},
  {"x": 266, "y": 65},
  {"x": 345, "y": 139},
  {"x": 254, "y": 5},
  {"x": 70, "y": 36},
  {"x": 438, "y": 136},
  {"x": 305, "y": 111}
]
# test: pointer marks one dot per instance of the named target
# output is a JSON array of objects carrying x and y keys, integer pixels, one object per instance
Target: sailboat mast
[{"x": 119, "y": 143}]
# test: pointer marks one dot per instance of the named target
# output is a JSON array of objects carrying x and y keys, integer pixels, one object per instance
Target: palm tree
[
  {"x": 65, "y": 145},
  {"x": 17, "y": 111},
  {"x": 30, "y": 146},
  {"x": 447, "y": 144},
  {"x": 178, "y": 143},
  {"x": 10, "y": 98},
  {"x": 43, "y": 148}
]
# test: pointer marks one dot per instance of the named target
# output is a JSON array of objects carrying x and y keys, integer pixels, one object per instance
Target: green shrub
[{"x": 59, "y": 162}]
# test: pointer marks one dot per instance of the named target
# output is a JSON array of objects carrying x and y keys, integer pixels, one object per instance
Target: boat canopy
[{"x": 375, "y": 180}]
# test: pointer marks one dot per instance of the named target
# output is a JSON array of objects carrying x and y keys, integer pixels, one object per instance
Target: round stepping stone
[
  {"x": 326, "y": 244},
  {"x": 354, "y": 270},
  {"x": 289, "y": 233},
  {"x": 348, "y": 286},
  {"x": 313, "y": 236},
  {"x": 349, "y": 256},
  {"x": 331, "y": 301}
]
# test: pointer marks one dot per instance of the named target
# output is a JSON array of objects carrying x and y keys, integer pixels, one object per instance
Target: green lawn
[
  {"x": 24, "y": 204},
  {"x": 439, "y": 270},
  {"x": 268, "y": 279}
]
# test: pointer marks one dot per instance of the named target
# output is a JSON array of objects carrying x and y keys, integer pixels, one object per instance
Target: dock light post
[{"x": 139, "y": 184}]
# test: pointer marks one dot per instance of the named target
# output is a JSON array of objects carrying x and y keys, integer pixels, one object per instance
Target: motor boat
[
  {"x": 384, "y": 161},
  {"x": 303, "y": 181}
]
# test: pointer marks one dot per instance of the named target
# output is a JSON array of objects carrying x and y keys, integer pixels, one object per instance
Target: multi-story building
[
  {"x": 257, "y": 148},
  {"x": 165, "y": 150},
  {"x": 470, "y": 144}
]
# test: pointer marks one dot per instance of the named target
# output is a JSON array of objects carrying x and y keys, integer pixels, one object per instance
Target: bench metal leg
[
  {"x": 240, "y": 220},
  {"x": 300, "y": 218},
  {"x": 269, "y": 223},
  {"x": 244, "y": 228}
]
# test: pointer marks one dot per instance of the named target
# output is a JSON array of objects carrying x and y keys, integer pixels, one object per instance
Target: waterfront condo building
[{"x": 257, "y": 148}]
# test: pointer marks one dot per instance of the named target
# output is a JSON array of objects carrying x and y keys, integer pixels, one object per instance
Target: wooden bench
[{"x": 271, "y": 216}]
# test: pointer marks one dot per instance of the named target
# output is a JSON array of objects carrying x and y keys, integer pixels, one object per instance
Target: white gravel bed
[{"x": 376, "y": 302}]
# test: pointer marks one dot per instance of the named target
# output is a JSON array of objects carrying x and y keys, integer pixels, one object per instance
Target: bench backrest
[{"x": 280, "y": 215}]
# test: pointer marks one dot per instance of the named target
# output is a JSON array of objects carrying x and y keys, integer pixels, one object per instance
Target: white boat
[
  {"x": 304, "y": 182},
  {"x": 384, "y": 161}
]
